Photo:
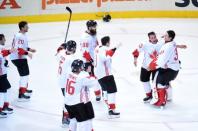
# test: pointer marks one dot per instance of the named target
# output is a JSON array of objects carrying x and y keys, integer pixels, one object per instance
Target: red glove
[
  {"x": 62, "y": 46},
  {"x": 5, "y": 52},
  {"x": 21, "y": 51},
  {"x": 110, "y": 52},
  {"x": 59, "y": 49},
  {"x": 135, "y": 53}
]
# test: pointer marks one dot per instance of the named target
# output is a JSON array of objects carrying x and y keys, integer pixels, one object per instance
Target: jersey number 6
[{"x": 69, "y": 87}]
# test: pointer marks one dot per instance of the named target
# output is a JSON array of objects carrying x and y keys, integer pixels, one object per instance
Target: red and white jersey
[
  {"x": 88, "y": 44},
  {"x": 3, "y": 53},
  {"x": 20, "y": 41},
  {"x": 151, "y": 51},
  {"x": 168, "y": 57},
  {"x": 1, "y": 47},
  {"x": 77, "y": 88},
  {"x": 102, "y": 62},
  {"x": 64, "y": 68},
  {"x": 3, "y": 68}
]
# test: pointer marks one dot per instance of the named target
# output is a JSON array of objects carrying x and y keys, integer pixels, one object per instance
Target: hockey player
[
  {"x": 66, "y": 57},
  {"x": 151, "y": 50},
  {"x": 77, "y": 100},
  {"x": 19, "y": 59},
  {"x": 168, "y": 65},
  {"x": 103, "y": 58},
  {"x": 65, "y": 54},
  {"x": 4, "y": 83},
  {"x": 88, "y": 44}
]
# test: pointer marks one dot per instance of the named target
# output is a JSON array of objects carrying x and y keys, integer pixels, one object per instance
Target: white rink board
[{"x": 38, "y": 7}]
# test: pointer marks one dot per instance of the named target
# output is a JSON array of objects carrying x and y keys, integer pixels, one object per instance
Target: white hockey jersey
[
  {"x": 64, "y": 68},
  {"x": 20, "y": 41},
  {"x": 1, "y": 47},
  {"x": 151, "y": 51},
  {"x": 88, "y": 43},
  {"x": 77, "y": 88},
  {"x": 168, "y": 57},
  {"x": 102, "y": 62},
  {"x": 3, "y": 68}
]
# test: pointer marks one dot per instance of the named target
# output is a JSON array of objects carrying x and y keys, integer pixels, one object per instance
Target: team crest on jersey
[{"x": 153, "y": 55}]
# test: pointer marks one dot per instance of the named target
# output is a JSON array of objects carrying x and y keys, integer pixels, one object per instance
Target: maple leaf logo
[{"x": 153, "y": 55}]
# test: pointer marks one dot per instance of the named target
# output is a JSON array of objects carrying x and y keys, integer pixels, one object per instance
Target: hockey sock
[
  {"x": 97, "y": 92},
  {"x": 105, "y": 97},
  {"x": 147, "y": 88},
  {"x": 169, "y": 93},
  {"x": 84, "y": 126},
  {"x": 22, "y": 90},
  {"x": 6, "y": 98},
  {"x": 111, "y": 101},
  {"x": 1, "y": 100},
  {"x": 73, "y": 124},
  {"x": 65, "y": 114},
  {"x": 23, "y": 81},
  {"x": 5, "y": 105},
  {"x": 161, "y": 92}
]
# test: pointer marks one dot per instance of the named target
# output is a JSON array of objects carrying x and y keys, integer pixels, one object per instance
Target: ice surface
[{"x": 43, "y": 112}]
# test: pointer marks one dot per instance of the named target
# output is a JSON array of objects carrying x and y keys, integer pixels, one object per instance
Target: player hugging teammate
[{"x": 161, "y": 60}]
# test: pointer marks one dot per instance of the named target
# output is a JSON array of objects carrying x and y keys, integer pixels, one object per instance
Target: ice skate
[
  {"x": 3, "y": 114},
  {"x": 23, "y": 98},
  {"x": 8, "y": 110},
  {"x": 113, "y": 114}
]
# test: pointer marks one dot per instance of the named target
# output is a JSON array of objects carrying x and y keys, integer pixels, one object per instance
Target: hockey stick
[
  {"x": 154, "y": 88},
  {"x": 70, "y": 14}
]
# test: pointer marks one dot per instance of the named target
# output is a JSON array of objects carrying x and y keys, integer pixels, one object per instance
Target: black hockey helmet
[
  {"x": 106, "y": 18},
  {"x": 71, "y": 45},
  {"x": 105, "y": 40},
  {"x": 77, "y": 65},
  {"x": 91, "y": 23}
]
